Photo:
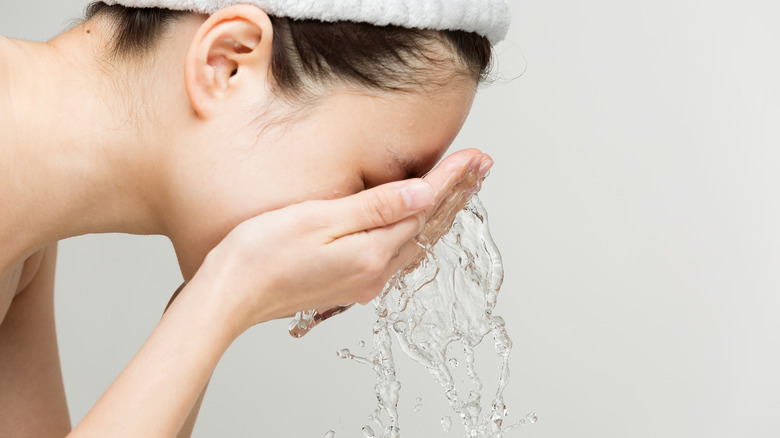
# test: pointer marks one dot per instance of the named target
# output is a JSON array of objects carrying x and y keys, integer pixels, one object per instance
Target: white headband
[{"x": 489, "y": 18}]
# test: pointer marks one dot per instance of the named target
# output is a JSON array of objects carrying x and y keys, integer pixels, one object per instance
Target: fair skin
[{"x": 170, "y": 147}]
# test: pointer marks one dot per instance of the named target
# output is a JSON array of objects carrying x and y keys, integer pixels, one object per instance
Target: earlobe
[{"x": 229, "y": 58}]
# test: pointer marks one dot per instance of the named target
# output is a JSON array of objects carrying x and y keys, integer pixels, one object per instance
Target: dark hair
[{"x": 309, "y": 52}]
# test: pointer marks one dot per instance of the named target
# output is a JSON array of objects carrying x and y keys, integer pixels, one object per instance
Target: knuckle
[
  {"x": 379, "y": 207},
  {"x": 373, "y": 263}
]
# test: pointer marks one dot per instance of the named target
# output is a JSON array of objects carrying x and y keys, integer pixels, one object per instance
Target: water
[
  {"x": 441, "y": 302},
  {"x": 417, "y": 404},
  {"x": 446, "y": 424}
]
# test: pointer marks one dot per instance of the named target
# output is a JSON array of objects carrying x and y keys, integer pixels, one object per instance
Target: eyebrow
[{"x": 410, "y": 168}]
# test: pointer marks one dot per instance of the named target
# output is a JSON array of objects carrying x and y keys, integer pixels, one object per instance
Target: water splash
[
  {"x": 446, "y": 424},
  {"x": 444, "y": 298}
]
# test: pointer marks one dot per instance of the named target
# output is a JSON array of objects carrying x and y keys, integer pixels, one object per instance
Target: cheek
[{"x": 241, "y": 197}]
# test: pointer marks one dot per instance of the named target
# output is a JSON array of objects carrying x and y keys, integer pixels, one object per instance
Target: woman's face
[{"x": 347, "y": 143}]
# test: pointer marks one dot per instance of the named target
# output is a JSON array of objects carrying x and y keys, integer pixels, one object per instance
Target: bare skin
[{"x": 86, "y": 149}]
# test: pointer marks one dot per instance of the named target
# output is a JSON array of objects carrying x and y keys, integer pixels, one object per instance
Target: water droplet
[
  {"x": 368, "y": 432},
  {"x": 446, "y": 424},
  {"x": 531, "y": 417},
  {"x": 418, "y": 399},
  {"x": 453, "y": 362},
  {"x": 502, "y": 341},
  {"x": 517, "y": 425},
  {"x": 330, "y": 434},
  {"x": 362, "y": 344}
]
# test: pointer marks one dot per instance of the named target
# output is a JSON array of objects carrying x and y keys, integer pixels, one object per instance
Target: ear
[{"x": 229, "y": 60}]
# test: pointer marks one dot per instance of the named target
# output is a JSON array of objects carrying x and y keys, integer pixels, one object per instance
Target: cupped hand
[{"x": 322, "y": 254}]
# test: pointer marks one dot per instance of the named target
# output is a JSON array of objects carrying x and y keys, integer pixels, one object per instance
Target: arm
[
  {"x": 267, "y": 267},
  {"x": 32, "y": 395},
  {"x": 189, "y": 423},
  {"x": 155, "y": 393}
]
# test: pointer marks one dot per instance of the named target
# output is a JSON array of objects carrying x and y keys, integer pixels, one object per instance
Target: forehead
[{"x": 415, "y": 130}]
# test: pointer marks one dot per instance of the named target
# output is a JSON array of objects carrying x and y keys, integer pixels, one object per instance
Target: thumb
[{"x": 380, "y": 206}]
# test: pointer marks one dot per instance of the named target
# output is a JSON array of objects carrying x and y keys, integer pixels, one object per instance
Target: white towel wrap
[{"x": 489, "y": 18}]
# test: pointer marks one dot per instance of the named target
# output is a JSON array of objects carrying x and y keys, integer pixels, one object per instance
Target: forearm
[
  {"x": 155, "y": 393},
  {"x": 189, "y": 422}
]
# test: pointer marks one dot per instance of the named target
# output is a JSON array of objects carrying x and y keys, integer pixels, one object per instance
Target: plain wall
[{"x": 635, "y": 200}]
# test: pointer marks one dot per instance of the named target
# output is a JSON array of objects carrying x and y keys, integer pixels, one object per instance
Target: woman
[{"x": 213, "y": 129}]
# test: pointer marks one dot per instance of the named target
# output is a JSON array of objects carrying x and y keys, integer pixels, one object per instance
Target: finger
[
  {"x": 408, "y": 258},
  {"x": 391, "y": 238},
  {"x": 454, "y": 174},
  {"x": 379, "y": 207},
  {"x": 451, "y": 169},
  {"x": 449, "y": 204}
]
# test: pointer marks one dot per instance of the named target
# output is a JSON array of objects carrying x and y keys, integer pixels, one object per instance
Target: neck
[{"x": 72, "y": 161}]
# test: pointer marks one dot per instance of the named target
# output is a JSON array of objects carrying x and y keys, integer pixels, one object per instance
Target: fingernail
[
  {"x": 417, "y": 194},
  {"x": 474, "y": 163},
  {"x": 485, "y": 167}
]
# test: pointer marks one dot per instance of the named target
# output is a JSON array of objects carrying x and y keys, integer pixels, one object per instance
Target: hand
[{"x": 322, "y": 254}]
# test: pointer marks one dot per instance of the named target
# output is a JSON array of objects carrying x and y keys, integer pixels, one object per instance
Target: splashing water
[
  {"x": 447, "y": 299},
  {"x": 446, "y": 424},
  {"x": 417, "y": 404},
  {"x": 443, "y": 298}
]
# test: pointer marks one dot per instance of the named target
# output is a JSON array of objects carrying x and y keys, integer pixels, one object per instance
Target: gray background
[{"x": 635, "y": 201}]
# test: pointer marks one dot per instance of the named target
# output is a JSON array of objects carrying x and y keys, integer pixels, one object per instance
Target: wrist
[
  {"x": 226, "y": 300},
  {"x": 205, "y": 300}
]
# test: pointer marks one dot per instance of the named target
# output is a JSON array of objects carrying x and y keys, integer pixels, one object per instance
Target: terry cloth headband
[{"x": 489, "y": 18}]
